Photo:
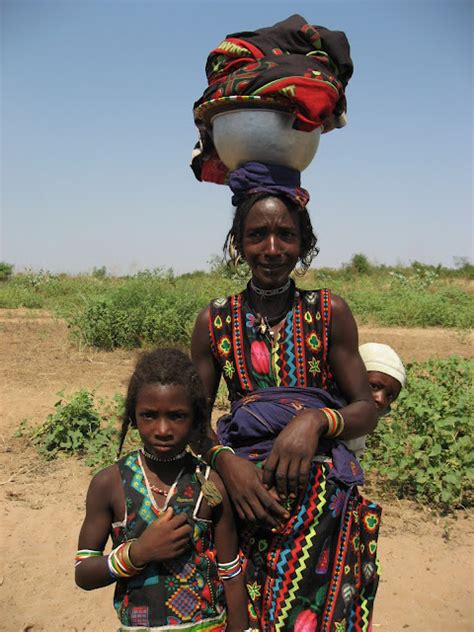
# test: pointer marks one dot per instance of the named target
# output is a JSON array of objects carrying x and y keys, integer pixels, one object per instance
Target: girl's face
[
  {"x": 385, "y": 390},
  {"x": 271, "y": 242},
  {"x": 164, "y": 418}
]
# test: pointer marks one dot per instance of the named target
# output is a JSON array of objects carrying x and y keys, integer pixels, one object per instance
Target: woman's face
[{"x": 271, "y": 242}]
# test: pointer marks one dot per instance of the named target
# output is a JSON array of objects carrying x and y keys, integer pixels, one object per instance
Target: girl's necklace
[
  {"x": 158, "y": 459},
  {"x": 152, "y": 488}
]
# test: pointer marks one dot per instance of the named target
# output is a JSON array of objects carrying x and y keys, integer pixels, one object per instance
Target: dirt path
[{"x": 427, "y": 563}]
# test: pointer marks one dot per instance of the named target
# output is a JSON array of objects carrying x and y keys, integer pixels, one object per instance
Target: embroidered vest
[
  {"x": 185, "y": 590},
  {"x": 296, "y": 357}
]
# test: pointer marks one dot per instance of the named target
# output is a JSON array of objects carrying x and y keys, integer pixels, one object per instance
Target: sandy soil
[{"x": 427, "y": 561}]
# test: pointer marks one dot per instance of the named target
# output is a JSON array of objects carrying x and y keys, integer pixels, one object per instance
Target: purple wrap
[
  {"x": 256, "y": 420},
  {"x": 256, "y": 177}
]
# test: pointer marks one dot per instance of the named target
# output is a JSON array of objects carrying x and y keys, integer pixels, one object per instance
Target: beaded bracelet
[
  {"x": 228, "y": 570},
  {"x": 83, "y": 554},
  {"x": 217, "y": 449},
  {"x": 119, "y": 562},
  {"x": 335, "y": 422}
]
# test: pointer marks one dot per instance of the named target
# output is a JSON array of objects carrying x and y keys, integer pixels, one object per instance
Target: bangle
[
  {"x": 227, "y": 570},
  {"x": 119, "y": 562},
  {"x": 335, "y": 422},
  {"x": 83, "y": 554},
  {"x": 217, "y": 449}
]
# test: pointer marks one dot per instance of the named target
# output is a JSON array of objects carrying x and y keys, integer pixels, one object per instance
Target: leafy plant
[
  {"x": 6, "y": 270},
  {"x": 78, "y": 426},
  {"x": 423, "y": 451}
]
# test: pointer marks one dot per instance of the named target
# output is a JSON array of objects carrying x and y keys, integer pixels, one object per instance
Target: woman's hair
[
  {"x": 166, "y": 366},
  {"x": 233, "y": 249}
]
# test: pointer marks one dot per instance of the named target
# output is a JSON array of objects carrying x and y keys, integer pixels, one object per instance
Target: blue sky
[{"x": 97, "y": 133}]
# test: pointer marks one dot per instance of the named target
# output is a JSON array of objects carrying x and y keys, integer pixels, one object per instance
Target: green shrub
[
  {"x": 79, "y": 426},
  {"x": 423, "y": 450},
  {"x": 6, "y": 270}
]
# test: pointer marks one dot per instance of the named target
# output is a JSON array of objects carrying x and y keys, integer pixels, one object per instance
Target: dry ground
[{"x": 427, "y": 561}]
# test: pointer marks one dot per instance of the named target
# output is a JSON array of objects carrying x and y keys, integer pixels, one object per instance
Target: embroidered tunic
[
  {"x": 296, "y": 357},
  {"x": 319, "y": 572},
  {"x": 184, "y": 592}
]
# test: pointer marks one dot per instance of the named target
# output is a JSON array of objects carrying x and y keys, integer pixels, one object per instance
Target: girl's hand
[
  {"x": 252, "y": 501},
  {"x": 166, "y": 538},
  {"x": 289, "y": 463}
]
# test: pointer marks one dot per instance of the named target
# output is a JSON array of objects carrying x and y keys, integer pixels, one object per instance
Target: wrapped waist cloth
[
  {"x": 291, "y": 65},
  {"x": 256, "y": 420}
]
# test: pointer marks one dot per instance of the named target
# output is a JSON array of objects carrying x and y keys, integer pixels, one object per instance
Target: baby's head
[
  {"x": 166, "y": 367},
  {"x": 386, "y": 374}
]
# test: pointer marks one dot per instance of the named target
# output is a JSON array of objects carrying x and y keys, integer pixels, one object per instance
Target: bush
[
  {"x": 79, "y": 426},
  {"x": 423, "y": 451},
  {"x": 6, "y": 270}
]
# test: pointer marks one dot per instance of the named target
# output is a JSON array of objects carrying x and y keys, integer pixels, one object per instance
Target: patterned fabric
[
  {"x": 181, "y": 592},
  {"x": 296, "y": 357},
  {"x": 319, "y": 572},
  {"x": 294, "y": 65},
  {"x": 256, "y": 177}
]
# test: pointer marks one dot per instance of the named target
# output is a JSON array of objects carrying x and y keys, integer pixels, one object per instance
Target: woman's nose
[{"x": 271, "y": 245}]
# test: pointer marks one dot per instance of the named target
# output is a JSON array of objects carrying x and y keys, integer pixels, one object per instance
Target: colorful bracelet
[
  {"x": 119, "y": 562},
  {"x": 228, "y": 570},
  {"x": 217, "y": 449},
  {"x": 335, "y": 422},
  {"x": 83, "y": 554}
]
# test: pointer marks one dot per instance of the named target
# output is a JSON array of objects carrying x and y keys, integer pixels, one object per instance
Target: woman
[{"x": 296, "y": 381}]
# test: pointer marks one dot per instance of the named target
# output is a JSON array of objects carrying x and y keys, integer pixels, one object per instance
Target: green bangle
[{"x": 222, "y": 448}]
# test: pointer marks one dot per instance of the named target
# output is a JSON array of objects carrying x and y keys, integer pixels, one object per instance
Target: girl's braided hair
[
  {"x": 166, "y": 366},
  {"x": 233, "y": 250}
]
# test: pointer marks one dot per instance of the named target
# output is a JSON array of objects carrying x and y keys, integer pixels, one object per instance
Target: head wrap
[
  {"x": 256, "y": 177},
  {"x": 382, "y": 358}
]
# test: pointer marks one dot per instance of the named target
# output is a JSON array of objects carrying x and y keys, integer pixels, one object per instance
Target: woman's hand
[
  {"x": 252, "y": 501},
  {"x": 289, "y": 463},
  {"x": 164, "y": 539}
]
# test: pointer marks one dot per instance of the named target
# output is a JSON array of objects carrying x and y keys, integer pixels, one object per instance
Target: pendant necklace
[{"x": 152, "y": 488}]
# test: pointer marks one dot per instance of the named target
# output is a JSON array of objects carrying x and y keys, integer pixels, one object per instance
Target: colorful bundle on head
[{"x": 291, "y": 67}]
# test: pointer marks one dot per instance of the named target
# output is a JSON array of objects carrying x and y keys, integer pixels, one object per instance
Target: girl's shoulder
[{"x": 104, "y": 484}]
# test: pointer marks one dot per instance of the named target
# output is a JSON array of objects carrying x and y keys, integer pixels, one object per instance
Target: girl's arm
[
  {"x": 164, "y": 539},
  {"x": 228, "y": 550},
  {"x": 93, "y": 572}
]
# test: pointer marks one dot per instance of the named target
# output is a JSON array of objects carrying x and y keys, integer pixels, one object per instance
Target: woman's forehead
[{"x": 271, "y": 209}]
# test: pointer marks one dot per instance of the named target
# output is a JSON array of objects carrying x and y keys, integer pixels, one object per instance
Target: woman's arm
[
  {"x": 227, "y": 548},
  {"x": 350, "y": 374},
  {"x": 289, "y": 463},
  {"x": 242, "y": 479}
]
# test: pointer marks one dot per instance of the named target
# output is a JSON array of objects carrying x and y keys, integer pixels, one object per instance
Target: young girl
[{"x": 168, "y": 515}]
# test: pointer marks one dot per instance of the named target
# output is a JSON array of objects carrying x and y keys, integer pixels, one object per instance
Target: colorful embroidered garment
[
  {"x": 292, "y": 65},
  {"x": 296, "y": 357},
  {"x": 320, "y": 571},
  {"x": 185, "y": 592}
]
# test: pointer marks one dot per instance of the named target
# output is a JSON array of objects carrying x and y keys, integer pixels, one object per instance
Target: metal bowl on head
[{"x": 261, "y": 135}]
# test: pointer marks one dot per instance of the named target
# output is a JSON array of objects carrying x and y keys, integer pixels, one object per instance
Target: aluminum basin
[{"x": 262, "y": 135}]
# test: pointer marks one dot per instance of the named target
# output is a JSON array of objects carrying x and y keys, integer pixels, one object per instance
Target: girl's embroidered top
[
  {"x": 184, "y": 591},
  {"x": 297, "y": 356}
]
